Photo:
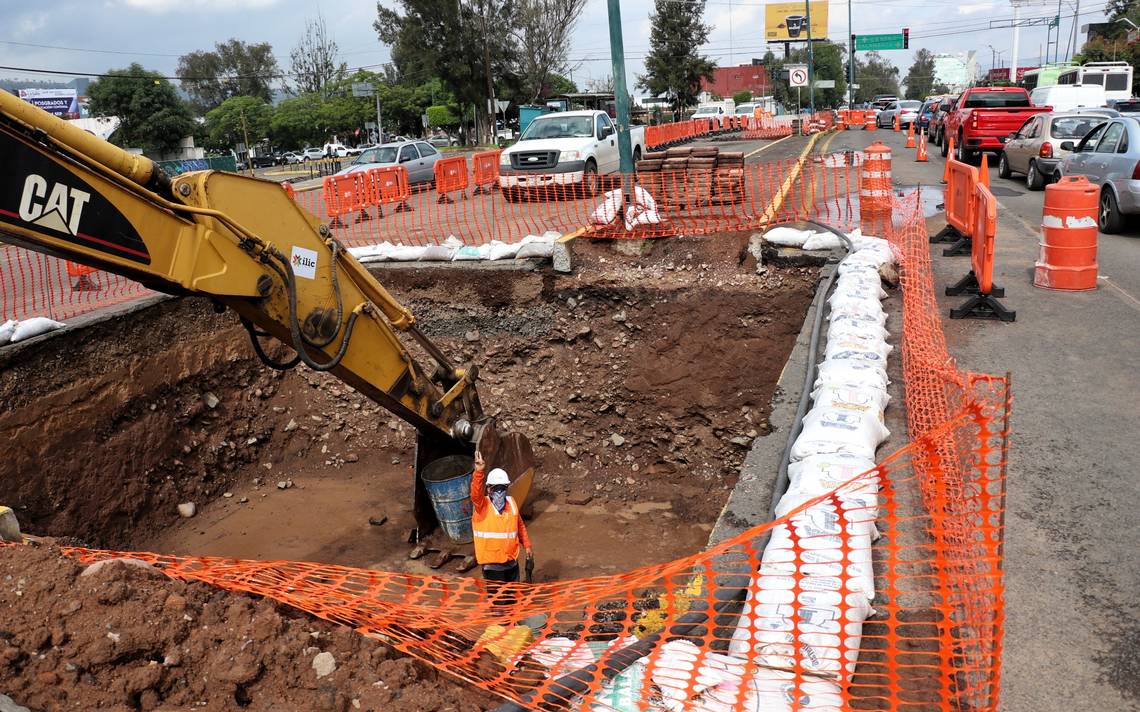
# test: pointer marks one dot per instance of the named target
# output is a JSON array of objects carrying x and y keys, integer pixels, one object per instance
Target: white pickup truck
[{"x": 565, "y": 148}]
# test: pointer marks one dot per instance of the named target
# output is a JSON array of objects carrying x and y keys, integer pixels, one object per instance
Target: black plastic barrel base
[
  {"x": 947, "y": 234},
  {"x": 959, "y": 248},
  {"x": 983, "y": 306},
  {"x": 969, "y": 285}
]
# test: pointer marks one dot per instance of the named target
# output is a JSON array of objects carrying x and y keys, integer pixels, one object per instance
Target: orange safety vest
[{"x": 496, "y": 535}]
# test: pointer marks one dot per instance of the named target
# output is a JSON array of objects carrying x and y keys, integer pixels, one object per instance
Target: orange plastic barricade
[
  {"x": 450, "y": 176},
  {"x": 1068, "y": 236},
  {"x": 344, "y": 195},
  {"x": 288, "y": 188},
  {"x": 486, "y": 169},
  {"x": 979, "y": 283},
  {"x": 959, "y": 201},
  {"x": 82, "y": 276},
  {"x": 389, "y": 186}
]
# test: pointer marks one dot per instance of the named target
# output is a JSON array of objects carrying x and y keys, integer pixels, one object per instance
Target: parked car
[
  {"x": 1039, "y": 145},
  {"x": 712, "y": 111},
  {"x": 335, "y": 150},
  {"x": 442, "y": 140},
  {"x": 983, "y": 118},
  {"x": 565, "y": 148},
  {"x": 312, "y": 153},
  {"x": 291, "y": 157},
  {"x": 1129, "y": 106},
  {"x": 907, "y": 112},
  {"x": 417, "y": 157},
  {"x": 1109, "y": 156},
  {"x": 1067, "y": 97},
  {"x": 938, "y": 119},
  {"x": 925, "y": 114}
]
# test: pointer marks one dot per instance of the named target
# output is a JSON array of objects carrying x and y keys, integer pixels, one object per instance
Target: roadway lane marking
[
  {"x": 773, "y": 207},
  {"x": 1127, "y": 295},
  {"x": 764, "y": 148}
]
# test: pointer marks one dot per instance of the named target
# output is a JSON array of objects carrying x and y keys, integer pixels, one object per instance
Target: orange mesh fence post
[
  {"x": 979, "y": 282},
  {"x": 450, "y": 176},
  {"x": 486, "y": 171}
]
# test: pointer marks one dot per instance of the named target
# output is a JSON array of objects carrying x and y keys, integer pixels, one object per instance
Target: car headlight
[
  {"x": 504, "y": 159},
  {"x": 568, "y": 156}
]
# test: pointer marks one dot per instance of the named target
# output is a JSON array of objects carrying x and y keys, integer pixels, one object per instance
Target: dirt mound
[{"x": 126, "y": 637}]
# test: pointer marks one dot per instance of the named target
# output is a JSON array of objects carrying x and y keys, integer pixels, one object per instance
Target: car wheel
[
  {"x": 590, "y": 179},
  {"x": 944, "y": 148},
  {"x": 1033, "y": 179},
  {"x": 1108, "y": 217},
  {"x": 1003, "y": 166}
]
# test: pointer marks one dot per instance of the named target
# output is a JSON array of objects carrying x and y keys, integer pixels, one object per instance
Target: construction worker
[{"x": 496, "y": 524}]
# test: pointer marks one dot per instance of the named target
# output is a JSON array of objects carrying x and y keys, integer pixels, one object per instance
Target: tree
[
  {"x": 876, "y": 75},
  {"x": 237, "y": 118},
  {"x": 601, "y": 86},
  {"x": 542, "y": 30},
  {"x": 151, "y": 114},
  {"x": 828, "y": 65},
  {"x": 442, "y": 117},
  {"x": 234, "y": 68},
  {"x": 742, "y": 97},
  {"x": 674, "y": 68},
  {"x": 314, "y": 59},
  {"x": 296, "y": 121},
  {"x": 920, "y": 78}
]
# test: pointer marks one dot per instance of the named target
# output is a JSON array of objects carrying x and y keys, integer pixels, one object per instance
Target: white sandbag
[
  {"x": 636, "y": 216},
  {"x": 859, "y": 502},
  {"x": 836, "y": 430},
  {"x": 27, "y": 328},
  {"x": 535, "y": 250},
  {"x": 470, "y": 252},
  {"x": 498, "y": 250},
  {"x": 843, "y": 303},
  {"x": 642, "y": 197},
  {"x": 821, "y": 474},
  {"x": 372, "y": 253},
  {"x": 839, "y": 322},
  {"x": 823, "y": 241},
  {"x": 857, "y": 374},
  {"x": 562, "y": 655},
  {"x": 6, "y": 330},
  {"x": 608, "y": 210},
  {"x": 860, "y": 355},
  {"x": 777, "y": 691},
  {"x": 437, "y": 253},
  {"x": 406, "y": 253},
  {"x": 622, "y": 692},
  {"x": 787, "y": 236}
]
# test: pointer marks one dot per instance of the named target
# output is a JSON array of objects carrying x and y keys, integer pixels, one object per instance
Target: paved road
[{"x": 1072, "y": 564}]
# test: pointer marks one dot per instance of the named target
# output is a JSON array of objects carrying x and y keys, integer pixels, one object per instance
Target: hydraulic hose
[
  {"x": 254, "y": 338},
  {"x": 733, "y": 589}
]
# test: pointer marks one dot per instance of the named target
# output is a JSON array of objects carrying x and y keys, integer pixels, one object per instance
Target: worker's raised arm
[{"x": 479, "y": 484}]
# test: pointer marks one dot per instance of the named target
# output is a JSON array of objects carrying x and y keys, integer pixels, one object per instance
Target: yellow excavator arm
[{"x": 245, "y": 244}]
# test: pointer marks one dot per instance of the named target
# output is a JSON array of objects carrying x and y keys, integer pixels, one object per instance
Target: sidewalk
[{"x": 1071, "y": 559}]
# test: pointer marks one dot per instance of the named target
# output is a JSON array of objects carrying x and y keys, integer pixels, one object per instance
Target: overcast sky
[{"x": 156, "y": 32}]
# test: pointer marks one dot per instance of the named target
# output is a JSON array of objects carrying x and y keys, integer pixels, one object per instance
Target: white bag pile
[
  {"x": 454, "y": 250},
  {"x": 642, "y": 211},
  {"x": 13, "y": 331}
]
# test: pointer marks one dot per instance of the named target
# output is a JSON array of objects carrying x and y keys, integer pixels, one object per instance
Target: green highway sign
[{"x": 875, "y": 42}]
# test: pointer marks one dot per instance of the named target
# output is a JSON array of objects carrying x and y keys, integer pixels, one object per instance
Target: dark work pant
[{"x": 510, "y": 575}]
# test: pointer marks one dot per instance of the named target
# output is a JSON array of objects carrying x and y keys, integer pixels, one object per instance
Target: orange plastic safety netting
[{"x": 885, "y": 593}]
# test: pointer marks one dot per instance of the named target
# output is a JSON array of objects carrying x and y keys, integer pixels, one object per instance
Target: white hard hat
[{"x": 498, "y": 476}]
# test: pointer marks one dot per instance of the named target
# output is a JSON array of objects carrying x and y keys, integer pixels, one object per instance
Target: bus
[
  {"x": 1044, "y": 76},
  {"x": 1115, "y": 77}
]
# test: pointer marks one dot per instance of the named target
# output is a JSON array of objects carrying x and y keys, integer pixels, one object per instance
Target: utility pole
[
  {"x": 490, "y": 83},
  {"x": 1073, "y": 41},
  {"x": 811, "y": 60},
  {"x": 621, "y": 98},
  {"x": 850, "y": 60},
  {"x": 379, "y": 126},
  {"x": 1016, "y": 39}
]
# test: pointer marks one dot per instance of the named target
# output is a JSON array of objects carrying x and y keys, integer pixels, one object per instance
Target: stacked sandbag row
[
  {"x": 693, "y": 176},
  {"x": 455, "y": 250}
]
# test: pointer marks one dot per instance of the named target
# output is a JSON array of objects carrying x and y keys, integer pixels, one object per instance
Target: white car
[
  {"x": 708, "y": 112},
  {"x": 565, "y": 148},
  {"x": 337, "y": 150}
]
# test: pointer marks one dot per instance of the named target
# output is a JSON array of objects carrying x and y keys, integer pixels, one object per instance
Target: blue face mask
[{"x": 499, "y": 497}]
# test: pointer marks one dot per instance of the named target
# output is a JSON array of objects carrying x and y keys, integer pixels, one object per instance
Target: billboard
[
  {"x": 787, "y": 21},
  {"x": 64, "y": 103}
]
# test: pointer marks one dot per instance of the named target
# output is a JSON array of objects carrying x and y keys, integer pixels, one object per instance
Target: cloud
[
  {"x": 197, "y": 5},
  {"x": 32, "y": 22},
  {"x": 976, "y": 7}
]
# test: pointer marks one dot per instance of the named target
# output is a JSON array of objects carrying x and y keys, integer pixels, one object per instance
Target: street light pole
[
  {"x": 811, "y": 59},
  {"x": 850, "y": 60},
  {"x": 621, "y": 98}
]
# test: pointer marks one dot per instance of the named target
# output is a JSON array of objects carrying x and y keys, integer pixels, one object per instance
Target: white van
[
  {"x": 1066, "y": 97},
  {"x": 335, "y": 150}
]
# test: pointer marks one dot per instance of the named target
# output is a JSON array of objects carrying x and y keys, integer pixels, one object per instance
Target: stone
[
  {"x": 472, "y": 336},
  {"x": 584, "y": 332},
  {"x": 187, "y": 510},
  {"x": 579, "y": 499},
  {"x": 741, "y": 441},
  {"x": 351, "y": 457},
  {"x": 377, "y": 521},
  {"x": 284, "y": 484},
  {"x": 617, "y": 440},
  {"x": 324, "y": 664},
  {"x": 243, "y": 500},
  {"x": 7, "y": 704},
  {"x": 620, "y": 317},
  {"x": 291, "y": 425},
  {"x": 211, "y": 400},
  {"x": 572, "y": 453},
  {"x": 889, "y": 274},
  {"x": 122, "y": 560},
  {"x": 562, "y": 259},
  {"x": 9, "y": 525},
  {"x": 227, "y": 495}
]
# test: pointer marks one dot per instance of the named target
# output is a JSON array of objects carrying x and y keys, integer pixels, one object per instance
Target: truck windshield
[
  {"x": 559, "y": 127},
  {"x": 386, "y": 154},
  {"x": 996, "y": 100}
]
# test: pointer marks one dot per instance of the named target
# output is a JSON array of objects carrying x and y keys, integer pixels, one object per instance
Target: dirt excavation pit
[{"x": 641, "y": 380}]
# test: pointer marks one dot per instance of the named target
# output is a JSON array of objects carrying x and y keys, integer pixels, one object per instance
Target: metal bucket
[{"x": 448, "y": 484}]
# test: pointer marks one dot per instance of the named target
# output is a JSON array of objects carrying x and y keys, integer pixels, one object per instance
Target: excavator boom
[{"x": 246, "y": 245}]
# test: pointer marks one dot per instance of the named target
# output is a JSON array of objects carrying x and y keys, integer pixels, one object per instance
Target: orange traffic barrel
[
  {"x": 870, "y": 123},
  {"x": 1068, "y": 236},
  {"x": 875, "y": 186}
]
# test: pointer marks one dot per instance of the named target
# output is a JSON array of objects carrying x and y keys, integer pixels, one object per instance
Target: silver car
[
  {"x": 1110, "y": 157},
  {"x": 417, "y": 157},
  {"x": 907, "y": 112},
  {"x": 1037, "y": 148}
]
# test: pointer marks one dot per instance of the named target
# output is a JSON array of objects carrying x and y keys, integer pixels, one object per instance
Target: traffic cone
[
  {"x": 897, "y": 129},
  {"x": 910, "y": 136},
  {"x": 949, "y": 157},
  {"x": 984, "y": 171},
  {"x": 920, "y": 156}
]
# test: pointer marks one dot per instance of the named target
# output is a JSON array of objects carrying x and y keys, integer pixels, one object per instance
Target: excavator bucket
[{"x": 443, "y": 466}]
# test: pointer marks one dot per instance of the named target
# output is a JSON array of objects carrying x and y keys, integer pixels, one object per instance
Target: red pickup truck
[{"x": 982, "y": 119}]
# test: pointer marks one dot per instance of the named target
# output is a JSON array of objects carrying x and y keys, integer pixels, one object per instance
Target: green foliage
[
  {"x": 224, "y": 125},
  {"x": 442, "y": 117},
  {"x": 920, "y": 79},
  {"x": 674, "y": 68},
  {"x": 1100, "y": 49},
  {"x": 557, "y": 84},
  {"x": 828, "y": 65},
  {"x": 742, "y": 97},
  {"x": 876, "y": 75},
  {"x": 233, "y": 68},
  {"x": 153, "y": 117},
  {"x": 296, "y": 122}
]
